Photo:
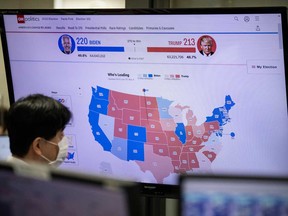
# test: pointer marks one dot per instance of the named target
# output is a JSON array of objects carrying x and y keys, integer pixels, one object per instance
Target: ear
[{"x": 36, "y": 145}]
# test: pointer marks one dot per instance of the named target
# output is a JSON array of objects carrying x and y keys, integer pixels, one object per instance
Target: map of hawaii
[{"x": 160, "y": 137}]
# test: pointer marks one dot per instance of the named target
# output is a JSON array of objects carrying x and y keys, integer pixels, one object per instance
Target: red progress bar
[{"x": 171, "y": 49}]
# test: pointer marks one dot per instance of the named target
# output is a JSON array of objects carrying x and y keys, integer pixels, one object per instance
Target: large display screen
[{"x": 156, "y": 93}]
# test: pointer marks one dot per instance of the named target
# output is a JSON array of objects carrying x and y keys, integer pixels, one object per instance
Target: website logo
[{"x": 20, "y": 18}]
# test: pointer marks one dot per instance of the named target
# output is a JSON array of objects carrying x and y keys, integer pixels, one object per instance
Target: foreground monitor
[
  {"x": 155, "y": 93},
  {"x": 233, "y": 195},
  {"x": 62, "y": 193}
]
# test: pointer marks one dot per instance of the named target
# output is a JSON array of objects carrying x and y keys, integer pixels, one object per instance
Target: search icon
[{"x": 236, "y": 18}]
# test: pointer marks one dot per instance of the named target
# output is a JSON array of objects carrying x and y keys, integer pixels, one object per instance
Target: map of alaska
[{"x": 151, "y": 132}]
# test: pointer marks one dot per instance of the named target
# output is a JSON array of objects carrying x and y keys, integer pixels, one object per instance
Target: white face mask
[{"x": 62, "y": 153}]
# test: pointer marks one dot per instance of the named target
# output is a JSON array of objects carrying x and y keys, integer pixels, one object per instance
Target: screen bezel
[{"x": 146, "y": 189}]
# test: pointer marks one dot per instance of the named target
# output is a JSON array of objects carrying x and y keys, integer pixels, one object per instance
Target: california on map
[{"x": 152, "y": 131}]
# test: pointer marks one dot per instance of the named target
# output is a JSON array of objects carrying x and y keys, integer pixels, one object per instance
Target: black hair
[{"x": 34, "y": 116}]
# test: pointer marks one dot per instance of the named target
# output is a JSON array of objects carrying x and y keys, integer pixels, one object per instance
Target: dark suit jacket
[{"x": 201, "y": 51}]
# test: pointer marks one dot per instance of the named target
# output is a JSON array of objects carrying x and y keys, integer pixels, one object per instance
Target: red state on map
[
  {"x": 127, "y": 101},
  {"x": 150, "y": 114},
  {"x": 193, "y": 161},
  {"x": 173, "y": 139},
  {"x": 120, "y": 129},
  {"x": 131, "y": 117},
  {"x": 184, "y": 164},
  {"x": 156, "y": 137},
  {"x": 176, "y": 165},
  {"x": 161, "y": 150},
  {"x": 211, "y": 126},
  {"x": 174, "y": 152},
  {"x": 196, "y": 140},
  {"x": 210, "y": 155},
  {"x": 206, "y": 136},
  {"x": 153, "y": 126},
  {"x": 192, "y": 148},
  {"x": 189, "y": 133},
  {"x": 113, "y": 110},
  {"x": 148, "y": 102}
]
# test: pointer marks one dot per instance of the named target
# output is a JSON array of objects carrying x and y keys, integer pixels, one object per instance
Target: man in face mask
[
  {"x": 35, "y": 127},
  {"x": 60, "y": 146}
]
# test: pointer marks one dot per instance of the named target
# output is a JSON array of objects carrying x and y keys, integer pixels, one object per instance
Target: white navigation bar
[{"x": 143, "y": 23}]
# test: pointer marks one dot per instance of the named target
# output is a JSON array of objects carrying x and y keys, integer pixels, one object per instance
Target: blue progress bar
[{"x": 99, "y": 49}]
